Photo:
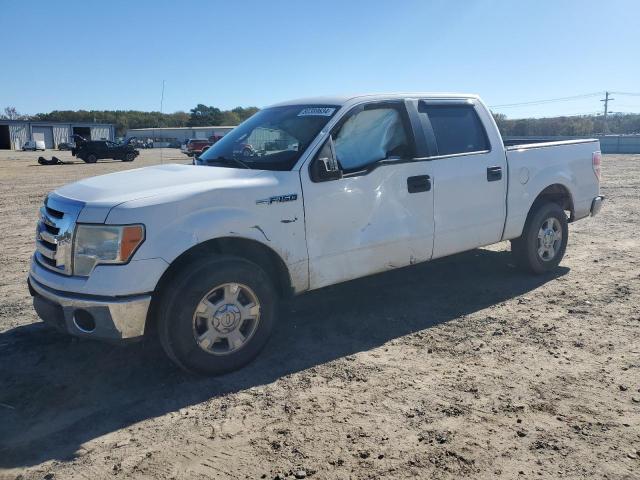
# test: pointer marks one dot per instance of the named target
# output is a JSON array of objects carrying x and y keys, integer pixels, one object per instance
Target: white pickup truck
[{"x": 302, "y": 195}]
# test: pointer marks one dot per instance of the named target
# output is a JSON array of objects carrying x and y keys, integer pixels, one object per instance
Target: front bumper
[
  {"x": 596, "y": 205},
  {"x": 106, "y": 318}
]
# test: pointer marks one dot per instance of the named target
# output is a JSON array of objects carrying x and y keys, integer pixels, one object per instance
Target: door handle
[
  {"x": 419, "y": 183},
  {"x": 494, "y": 174}
]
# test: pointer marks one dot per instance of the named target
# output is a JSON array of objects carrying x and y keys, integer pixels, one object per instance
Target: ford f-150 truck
[{"x": 333, "y": 189}]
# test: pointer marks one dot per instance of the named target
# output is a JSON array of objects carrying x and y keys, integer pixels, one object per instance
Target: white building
[
  {"x": 15, "y": 133},
  {"x": 178, "y": 134}
]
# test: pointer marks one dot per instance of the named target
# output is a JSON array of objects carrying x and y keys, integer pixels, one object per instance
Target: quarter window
[{"x": 457, "y": 128}]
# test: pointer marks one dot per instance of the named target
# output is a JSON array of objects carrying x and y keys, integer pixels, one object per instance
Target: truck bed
[
  {"x": 565, "y": 165},
  {"x": 518, "y": 144}
]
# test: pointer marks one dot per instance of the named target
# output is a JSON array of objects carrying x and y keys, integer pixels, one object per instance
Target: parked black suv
[{"x": 90, "y": 151}]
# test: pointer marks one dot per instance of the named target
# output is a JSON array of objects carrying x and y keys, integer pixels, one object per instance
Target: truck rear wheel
[
  {"x": 91, "y": 158},
  {"x": 217, "y": 315},
  {"x": 543, "y": 242}
]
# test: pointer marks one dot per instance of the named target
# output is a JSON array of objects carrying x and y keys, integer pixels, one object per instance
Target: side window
[
  {"x": 457, "y": 128},
  {"x": 370, "y": 135}
]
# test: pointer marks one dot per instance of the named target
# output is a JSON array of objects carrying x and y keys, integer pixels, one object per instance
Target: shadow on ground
[{"x": 58, "y": 392}]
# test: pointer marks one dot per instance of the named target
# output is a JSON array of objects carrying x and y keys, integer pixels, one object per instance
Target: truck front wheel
[
  {"x": 543, "y": 242},
  {"x": 217, "y": 314}
]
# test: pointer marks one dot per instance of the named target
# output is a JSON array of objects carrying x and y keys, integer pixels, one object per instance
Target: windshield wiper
[{"x": 231, "y": 160}]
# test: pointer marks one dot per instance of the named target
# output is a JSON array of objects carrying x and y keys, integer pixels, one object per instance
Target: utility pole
[
  {"x": 159, "y": 119},
  {"x": 606, "y": 101}
]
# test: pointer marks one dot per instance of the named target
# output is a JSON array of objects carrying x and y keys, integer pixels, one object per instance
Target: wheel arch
[
  {"x": 555, "y": 193},
  {"x": 248, "y": 249},
  {"x": 245, "y": 248}
]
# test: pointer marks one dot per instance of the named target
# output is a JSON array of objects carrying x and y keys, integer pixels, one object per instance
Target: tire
[
  {"x": 543, "y": 242},
  {"x": 183, "y": 315},
  {"x": 91, "y": 158},
  {"x": 129, "y": 157}
]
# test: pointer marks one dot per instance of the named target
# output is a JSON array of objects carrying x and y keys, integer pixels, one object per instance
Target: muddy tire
[
  {"x": 543, "y": 242},
  {"x": 91, "y": 158},
  {"x": 129, "y": 157},
  {"x": 216, "y": 314}
]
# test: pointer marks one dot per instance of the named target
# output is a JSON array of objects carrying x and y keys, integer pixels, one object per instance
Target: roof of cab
[{"x": 340, "y": 100}]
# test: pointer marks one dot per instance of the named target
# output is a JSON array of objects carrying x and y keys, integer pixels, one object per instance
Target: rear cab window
[{"x": 457, "y": 128}]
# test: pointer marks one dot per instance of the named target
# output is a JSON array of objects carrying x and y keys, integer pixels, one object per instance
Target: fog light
[{"x": 84, "y": 321}]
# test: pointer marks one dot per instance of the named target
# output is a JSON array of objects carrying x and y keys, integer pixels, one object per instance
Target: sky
[{"x": 67, "y": 55}]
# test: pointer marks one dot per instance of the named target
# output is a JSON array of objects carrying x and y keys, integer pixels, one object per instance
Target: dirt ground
[{"x": 459, "y": 368}]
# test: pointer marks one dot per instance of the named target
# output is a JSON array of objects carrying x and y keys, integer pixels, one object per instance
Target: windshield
[{"x": 272, "y": 139}]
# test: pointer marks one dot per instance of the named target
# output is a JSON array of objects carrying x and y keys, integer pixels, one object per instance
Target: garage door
[
  {"x": 43, "y": 133},
  {"x": 100, "y": 133}
]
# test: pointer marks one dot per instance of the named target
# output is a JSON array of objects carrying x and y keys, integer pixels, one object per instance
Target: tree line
[
  {"x": 203, "y": 115},
  {"x": 583, "y": 125}
]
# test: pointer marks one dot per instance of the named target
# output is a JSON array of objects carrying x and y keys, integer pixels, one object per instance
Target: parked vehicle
[
  {"x": 66, "y": 146},
  {"x": 33, "y": 145},
  {"x": 195, "y": 146},
  {"x": 196, "y": 156},
  {"x": 202, "y": 254},
  {"x": 90, "y": 151},
  {"x": 137, "y": 142},
  {"x": 244, "y": 150}
]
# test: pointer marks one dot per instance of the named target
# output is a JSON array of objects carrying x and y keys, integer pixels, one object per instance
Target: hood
[{"x": 100, "y": 194}]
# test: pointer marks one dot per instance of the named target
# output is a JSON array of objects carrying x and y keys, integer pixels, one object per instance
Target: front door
[
  {"x": 377, "y": 217},
  {"x": 103, "y": 150}
]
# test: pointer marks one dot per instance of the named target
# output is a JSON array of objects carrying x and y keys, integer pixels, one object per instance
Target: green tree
[{"x": 203, "y": 115}]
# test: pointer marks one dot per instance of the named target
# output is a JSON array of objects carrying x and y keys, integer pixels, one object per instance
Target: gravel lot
[{"x": 462, "y": 367}]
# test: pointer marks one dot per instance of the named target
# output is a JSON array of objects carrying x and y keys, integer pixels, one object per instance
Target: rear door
[{"x": 469, "y": 175}]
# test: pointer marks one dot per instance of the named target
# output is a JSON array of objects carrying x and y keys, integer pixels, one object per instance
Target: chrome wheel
[
  {"x": 549, "y": 239},
  {"x": 226, "y": 318}
]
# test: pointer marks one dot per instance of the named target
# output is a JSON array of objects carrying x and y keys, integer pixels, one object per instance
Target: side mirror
[{"x": 325, "y": 166}]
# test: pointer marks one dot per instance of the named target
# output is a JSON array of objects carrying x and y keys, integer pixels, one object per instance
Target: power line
[
  {"x": 550, "y": 100},
  {"x": 632, "y": 94},
  {"x": 626, "y": 105}
]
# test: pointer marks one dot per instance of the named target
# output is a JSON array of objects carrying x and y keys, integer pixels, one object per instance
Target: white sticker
[{"x": 317, "y": 111}]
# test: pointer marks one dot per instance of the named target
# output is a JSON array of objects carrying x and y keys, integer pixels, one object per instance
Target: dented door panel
[{"x": 368, "y": 223}]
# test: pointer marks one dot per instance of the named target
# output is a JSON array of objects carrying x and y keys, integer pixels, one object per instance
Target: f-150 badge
[{"x": 291, "y": 197}]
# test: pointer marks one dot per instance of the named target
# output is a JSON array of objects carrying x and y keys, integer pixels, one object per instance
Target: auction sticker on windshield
[{"x": 317, "y": 111}]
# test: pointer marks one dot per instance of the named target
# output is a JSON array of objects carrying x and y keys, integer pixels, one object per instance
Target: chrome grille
[{"x": 54, "y": 233}]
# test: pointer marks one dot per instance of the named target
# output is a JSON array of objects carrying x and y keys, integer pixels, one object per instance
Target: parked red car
[{"x": 195, "y": 146}]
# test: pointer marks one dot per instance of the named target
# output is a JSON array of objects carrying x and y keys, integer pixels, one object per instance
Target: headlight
[{"x": 95, "y": 244}]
